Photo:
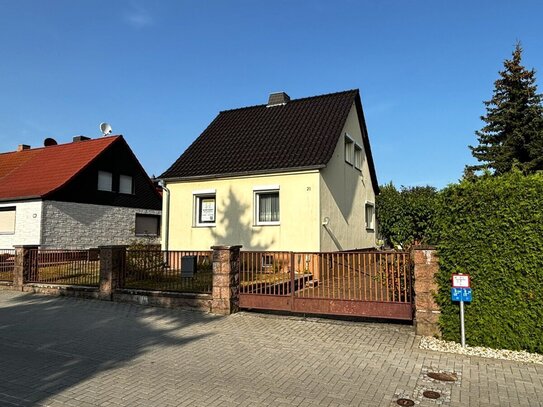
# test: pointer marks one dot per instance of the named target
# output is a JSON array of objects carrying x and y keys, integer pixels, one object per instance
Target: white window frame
[
  {"x": 105, "y": 173},
  {"x": 131, "y": 184},
  {"x": 370, "y": 223},
  {"x": 197, "y": 197},
  {"x": 358, "y": 156},
  {"x": 267, "y": 261},
  {"x": 10, "y": 209},
  {"x": 261, "y": 190},
  {"x": 349, "y": 149}
]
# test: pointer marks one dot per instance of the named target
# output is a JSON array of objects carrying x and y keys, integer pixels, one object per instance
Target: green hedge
[{"x": 492, "y": 229}]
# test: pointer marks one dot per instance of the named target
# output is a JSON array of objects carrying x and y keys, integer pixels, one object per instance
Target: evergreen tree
[{"x": 513, "y": 134}]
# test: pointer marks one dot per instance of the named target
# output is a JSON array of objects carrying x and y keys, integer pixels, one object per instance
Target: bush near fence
[{"x": 492, "y": 229}]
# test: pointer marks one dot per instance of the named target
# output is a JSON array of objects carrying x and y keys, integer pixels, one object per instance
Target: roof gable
[
  {"x": 37, "y": 172},
  {"x": 302, "y": 133}
]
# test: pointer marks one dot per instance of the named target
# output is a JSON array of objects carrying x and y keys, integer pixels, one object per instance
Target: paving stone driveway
[{"x": 65, "y": 351}]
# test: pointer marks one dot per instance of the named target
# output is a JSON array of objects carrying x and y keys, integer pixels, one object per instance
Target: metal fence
[
  {"x": 361, "y": 276},
  {"x": 182, "y": 271},
  {"x": 74, "y": 267},
  {"x": 7, "y": 264}
]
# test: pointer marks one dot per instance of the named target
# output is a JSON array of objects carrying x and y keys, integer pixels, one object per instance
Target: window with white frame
[
  {"x": 147, "y": 225},
  {"x": 267, "y": 207},
  {"x": 7, "y": 220},
  {"x": 357, "y": 156},
  {"x": 370, "y": 215},
  {"x": 126, "y": 185},
  {"x": 205, "y": 209},
  {"x": 105, "y": 181},
  {"x": 349, "y": 144},
  {"x": 267, "y": 260}
]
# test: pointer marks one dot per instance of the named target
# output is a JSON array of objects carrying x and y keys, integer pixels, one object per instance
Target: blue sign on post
[{"x": 461, "y": 294}]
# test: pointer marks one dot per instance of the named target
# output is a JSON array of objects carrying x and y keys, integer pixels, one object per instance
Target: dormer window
[
  {"x": 105, "y": 181},
  {"x": 349, "y": 145},
  {"x": 126, "y": 186}
]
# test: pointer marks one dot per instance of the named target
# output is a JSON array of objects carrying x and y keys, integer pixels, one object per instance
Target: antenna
[{"x": 105, "y": 128}]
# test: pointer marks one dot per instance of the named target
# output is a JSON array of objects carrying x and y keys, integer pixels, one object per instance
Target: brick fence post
[
  {"x": 427, "y": 311},
  {"x": 112, "y": 263},
  {"x": 25, "y": 266},
  {"x": 225, "y": 279}
]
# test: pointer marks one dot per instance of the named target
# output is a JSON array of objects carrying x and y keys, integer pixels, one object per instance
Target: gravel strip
[{"x": 427, "y": 342}]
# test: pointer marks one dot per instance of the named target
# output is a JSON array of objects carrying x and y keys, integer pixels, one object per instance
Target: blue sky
[{"x": 160, "y": 71}]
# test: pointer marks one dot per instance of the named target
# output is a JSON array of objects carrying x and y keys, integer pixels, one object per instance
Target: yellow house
[{"x": 289, "y": 175}]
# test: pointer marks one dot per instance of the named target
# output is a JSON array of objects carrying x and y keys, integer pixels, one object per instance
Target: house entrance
[{"x": 366, "y": 284}]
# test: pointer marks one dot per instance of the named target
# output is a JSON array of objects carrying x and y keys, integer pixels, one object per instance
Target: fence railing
[
  {"x": 7, "y": 263},
  {"x": 74, "y": 267},
  {"x": 182, "y": 271},
  {"x": 362, "y": 276}
]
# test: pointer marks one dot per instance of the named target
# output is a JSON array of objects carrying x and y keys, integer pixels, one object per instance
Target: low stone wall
[{"x": 200, "y": 302}]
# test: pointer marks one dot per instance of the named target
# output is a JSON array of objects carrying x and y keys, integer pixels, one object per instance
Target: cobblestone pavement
[{"x": 70, "y": 352}]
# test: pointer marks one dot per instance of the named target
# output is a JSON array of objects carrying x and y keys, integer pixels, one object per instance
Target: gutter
[
  {"x": 244, "y": 173},
  {"x": 166, "y": 214}
]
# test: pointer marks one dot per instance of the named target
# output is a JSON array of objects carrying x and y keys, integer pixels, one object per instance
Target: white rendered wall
[{"x": 27, "y": 224}]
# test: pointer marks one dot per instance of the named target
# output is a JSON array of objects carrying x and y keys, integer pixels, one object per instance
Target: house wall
[
  {"x": 75, "y": 225},
  {"x": 27, "y": 224},
  {"x": 235, "y": 214},
  {"x": 344, "y": 191}
]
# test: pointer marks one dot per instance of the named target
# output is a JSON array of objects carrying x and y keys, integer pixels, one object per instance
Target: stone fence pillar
[
  {"x": 112, "y": 264},
  {"x": 426, "y": 310},
  {"x": 225, "y": 279},
  {"x": 26, "y": 265}
]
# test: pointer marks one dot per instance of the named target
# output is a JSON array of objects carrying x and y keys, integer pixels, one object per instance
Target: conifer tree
[{"x": 513, "y": 131}]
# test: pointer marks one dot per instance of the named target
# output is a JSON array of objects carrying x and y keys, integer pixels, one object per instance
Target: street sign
[
  {"x": 461, "y": 294},
  {"x": 460, "y": 280}
]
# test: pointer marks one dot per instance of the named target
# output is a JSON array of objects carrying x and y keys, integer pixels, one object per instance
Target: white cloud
[{"x": 138, "y": 17}]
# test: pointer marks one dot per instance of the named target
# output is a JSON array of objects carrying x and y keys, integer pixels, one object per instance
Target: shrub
[
  {"x": 492, "y": 229},
  {"x": 406, "y": 215}
]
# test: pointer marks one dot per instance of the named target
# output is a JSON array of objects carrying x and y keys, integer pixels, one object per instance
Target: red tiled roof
[{"x": 37, "y": 172}]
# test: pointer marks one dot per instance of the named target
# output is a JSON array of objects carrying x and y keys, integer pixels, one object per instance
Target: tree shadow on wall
[
  {"x": 239, "y": 230},
  {"x": 51, "y": 346}
]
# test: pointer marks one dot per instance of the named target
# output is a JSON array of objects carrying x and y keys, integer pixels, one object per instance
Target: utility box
[{"x": 188, "y": 266}]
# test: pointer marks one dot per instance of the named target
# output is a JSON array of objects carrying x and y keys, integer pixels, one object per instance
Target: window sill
[
  {"x": 6, "y": 233},
  {"x": 267, "y": 224},
  {"x": 370, "y": 229},
  {"x": 205, "y": 225}
]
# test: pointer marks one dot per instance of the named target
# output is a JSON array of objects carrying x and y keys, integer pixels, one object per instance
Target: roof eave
[
  {"x": 243, "y": 173},
  {"x": 21, "y": 198}
]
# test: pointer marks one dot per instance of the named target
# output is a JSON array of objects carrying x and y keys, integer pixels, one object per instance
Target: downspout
[{"x": 166, "y": 214}]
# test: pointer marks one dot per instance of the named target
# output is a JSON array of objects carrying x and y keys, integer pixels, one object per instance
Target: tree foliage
[
  {"x": 513, "y": 131},
  {"x": 492, "y": 229},
  {"x": 406, "y": 215}
]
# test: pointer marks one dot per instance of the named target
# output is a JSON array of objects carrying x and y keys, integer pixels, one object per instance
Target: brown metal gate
[{"x": 367, "y": 284}]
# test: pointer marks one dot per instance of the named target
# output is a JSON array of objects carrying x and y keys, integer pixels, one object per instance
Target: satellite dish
[
  {"x": 49, "y": 142},
  {"x": 105, "y": 128}
]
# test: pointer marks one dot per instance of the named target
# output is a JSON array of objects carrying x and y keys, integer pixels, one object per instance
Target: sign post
[{"x": 461, "y": 292}]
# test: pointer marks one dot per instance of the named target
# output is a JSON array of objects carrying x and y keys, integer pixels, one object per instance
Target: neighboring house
[
  {"x": 291, "y": 175},
  {"x": 76, "y": 195}
]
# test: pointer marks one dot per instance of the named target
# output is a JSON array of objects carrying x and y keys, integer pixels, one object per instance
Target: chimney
[
  {"x": 278, "y": 99},
  {"x": 77, "y": 139},
  {"x": 22, "y": 147}
]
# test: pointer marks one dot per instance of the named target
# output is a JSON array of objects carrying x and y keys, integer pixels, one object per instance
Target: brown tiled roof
[{"x": 303, "y": 133}]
